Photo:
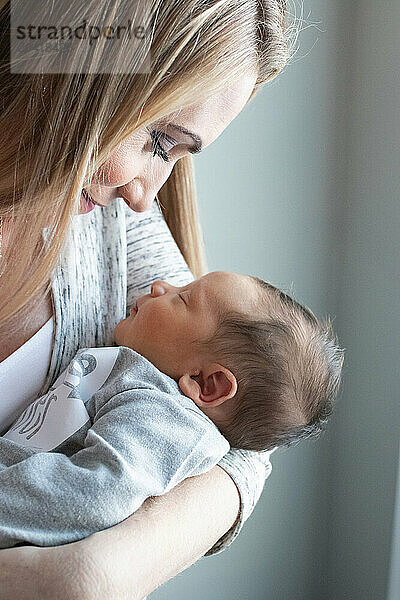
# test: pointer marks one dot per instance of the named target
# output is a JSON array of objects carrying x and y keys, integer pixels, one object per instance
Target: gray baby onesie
[{"x": 111, "y": 431}]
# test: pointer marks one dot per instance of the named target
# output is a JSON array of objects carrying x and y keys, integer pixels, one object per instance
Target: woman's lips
[{"x": 87, "y": 202}]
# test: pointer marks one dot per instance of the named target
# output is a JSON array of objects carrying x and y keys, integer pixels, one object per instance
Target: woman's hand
[{"x": 130, "y": 560}]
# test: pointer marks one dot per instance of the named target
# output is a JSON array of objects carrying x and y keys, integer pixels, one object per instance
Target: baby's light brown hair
[{"x": 288, "y": 369}]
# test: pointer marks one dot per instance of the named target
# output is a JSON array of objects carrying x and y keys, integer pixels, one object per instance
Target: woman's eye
[{"x": 162, "y": 143}]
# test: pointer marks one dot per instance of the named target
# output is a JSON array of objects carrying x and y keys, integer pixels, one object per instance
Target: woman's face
[{"x": 135, "y": 174}]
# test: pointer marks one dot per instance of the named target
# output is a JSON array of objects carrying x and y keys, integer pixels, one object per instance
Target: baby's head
[{"x": 262, "y": 367}]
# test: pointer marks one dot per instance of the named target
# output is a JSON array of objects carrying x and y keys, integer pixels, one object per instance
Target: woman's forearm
[
  {"x": 130, "y": 560},
  {"x": 164, "y": 537}
]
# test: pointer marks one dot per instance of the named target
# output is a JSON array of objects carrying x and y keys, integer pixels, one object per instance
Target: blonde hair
[{"x": 58, "y": 129}]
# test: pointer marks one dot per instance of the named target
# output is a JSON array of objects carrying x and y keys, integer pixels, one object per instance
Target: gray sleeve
[
  {"x": 142, "y": 443},
  {"x": 153, "y": 254},
  {"x": 249, "y": 470}
]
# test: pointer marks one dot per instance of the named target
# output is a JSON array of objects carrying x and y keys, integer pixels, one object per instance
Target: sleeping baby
[{"x": 225, "y": 361}]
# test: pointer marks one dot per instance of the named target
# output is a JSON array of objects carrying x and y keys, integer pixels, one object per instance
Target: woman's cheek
[{"x": 122, "y": 165}]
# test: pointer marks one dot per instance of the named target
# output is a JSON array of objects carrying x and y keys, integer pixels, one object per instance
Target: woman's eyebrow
[{"x": 198, "y": 143}]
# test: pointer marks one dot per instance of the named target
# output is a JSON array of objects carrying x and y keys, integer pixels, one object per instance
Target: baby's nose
[{"x": 159, "y": 288}]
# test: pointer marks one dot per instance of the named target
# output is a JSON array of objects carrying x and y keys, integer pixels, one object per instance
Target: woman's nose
[
  {"x": 136, "y": 196},
  {"x": 142, "y": 190}
]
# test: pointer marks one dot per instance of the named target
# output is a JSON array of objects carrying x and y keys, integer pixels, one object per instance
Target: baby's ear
[
  {"x": 212, "y": 386},
  {"x": 189, "y": 386}
]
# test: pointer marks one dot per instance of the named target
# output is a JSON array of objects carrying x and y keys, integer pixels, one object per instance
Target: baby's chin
[{"x": 120, "y": 335}]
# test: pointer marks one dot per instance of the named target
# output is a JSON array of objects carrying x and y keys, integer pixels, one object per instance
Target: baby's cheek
[
  {"x": 161, "y": 324},
  {"x": 152, "y": 323}
]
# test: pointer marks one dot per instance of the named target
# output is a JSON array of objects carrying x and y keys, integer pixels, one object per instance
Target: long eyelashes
[{"x": 156, "y": 138}]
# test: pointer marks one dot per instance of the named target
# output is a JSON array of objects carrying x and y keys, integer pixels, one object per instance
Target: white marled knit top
[{"x": 112, "y": 256}]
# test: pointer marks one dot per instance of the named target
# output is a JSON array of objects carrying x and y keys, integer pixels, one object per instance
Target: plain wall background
[
  {"x": 302, "y": 190},
  {"x": 366, "y": 429}
]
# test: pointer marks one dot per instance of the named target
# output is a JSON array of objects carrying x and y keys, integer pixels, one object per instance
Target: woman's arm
[
  {"x": 130, "y": 560},
  {"x": 168, "y": 534}
]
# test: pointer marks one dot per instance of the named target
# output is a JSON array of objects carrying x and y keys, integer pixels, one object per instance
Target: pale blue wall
[
  {"x": 302, "y": 188},
  {"x": 365, "y": 432}
]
